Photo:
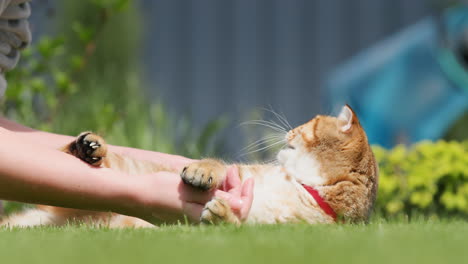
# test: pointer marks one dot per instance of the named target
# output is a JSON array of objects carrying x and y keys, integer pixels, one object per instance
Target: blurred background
[
  {"x": 159, "y": 74},
  {"x": 226, "y": 78}
]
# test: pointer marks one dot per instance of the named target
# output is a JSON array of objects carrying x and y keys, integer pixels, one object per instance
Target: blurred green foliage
[
  {"x": 86, "y": 76},
  {"x": 427, "y": 178}
]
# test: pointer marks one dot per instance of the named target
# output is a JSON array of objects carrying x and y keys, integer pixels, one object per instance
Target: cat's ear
[{"x": 347, "y": 119}]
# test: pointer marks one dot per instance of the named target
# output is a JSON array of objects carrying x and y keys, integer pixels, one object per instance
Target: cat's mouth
[{"x": 285, "y": 153}]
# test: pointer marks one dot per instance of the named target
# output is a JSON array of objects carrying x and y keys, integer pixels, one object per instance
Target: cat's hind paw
[{"x": 218, "y": 211}]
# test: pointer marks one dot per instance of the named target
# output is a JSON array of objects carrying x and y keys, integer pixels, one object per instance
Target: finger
[
  {"x": 193, "y": 212},
  {"x": 239, "y": 204},
  {"x": 247, "y": 197},
  {"x": 248, "y": 188},
  {"x": 233, "y": 183},
  {"x": 234, "y": 201},
  {"x": 191, "y": 194}
]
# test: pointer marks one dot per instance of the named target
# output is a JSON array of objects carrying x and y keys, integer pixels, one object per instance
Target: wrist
[
  {"x": 145, "y": 197},
  {"x": 161, "y": 197},
  {"x": 119, "y": 192}
]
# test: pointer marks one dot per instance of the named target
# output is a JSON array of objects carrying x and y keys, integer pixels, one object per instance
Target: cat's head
[{"x": 333, "y": 153}]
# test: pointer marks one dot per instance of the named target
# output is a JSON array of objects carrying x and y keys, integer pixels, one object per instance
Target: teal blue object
[{"x": 407, "y": 88}]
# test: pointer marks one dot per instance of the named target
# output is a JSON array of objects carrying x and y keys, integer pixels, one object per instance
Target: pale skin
[{"x": 33, "y": 170}]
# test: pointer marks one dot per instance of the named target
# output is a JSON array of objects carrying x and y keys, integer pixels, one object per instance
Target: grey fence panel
[{"x": 211, "y": 57}]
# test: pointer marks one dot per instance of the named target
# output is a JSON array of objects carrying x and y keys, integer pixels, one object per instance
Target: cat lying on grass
[{"x": 327, "y": 172}]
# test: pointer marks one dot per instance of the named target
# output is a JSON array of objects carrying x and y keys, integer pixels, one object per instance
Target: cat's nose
[{"x": 291, "y": 134}]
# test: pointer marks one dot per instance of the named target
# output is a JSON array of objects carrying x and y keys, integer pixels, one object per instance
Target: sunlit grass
[{"x": 440, "y": 241}]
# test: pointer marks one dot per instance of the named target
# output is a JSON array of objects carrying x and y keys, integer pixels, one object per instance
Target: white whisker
[
  {"x": 281, "y": 117},
  {"x": 268, "y": 124},
  {"x": 273, "y": 161},
  {"x": 262, "y": 141},
  {"x": 270, "y": 141},
  {"x": 271, "y": 122},
  {"x": 265, "y": 147}
]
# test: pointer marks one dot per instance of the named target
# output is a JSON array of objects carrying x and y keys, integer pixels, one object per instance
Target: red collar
[{"x": 324, "y": 205}]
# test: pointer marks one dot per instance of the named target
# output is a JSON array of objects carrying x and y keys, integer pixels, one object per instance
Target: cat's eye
[{"x": 290, "y": 147}]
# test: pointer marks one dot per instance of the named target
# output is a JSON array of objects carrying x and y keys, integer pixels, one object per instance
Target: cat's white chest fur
[
  {"x": 271, "y": 189},
  {"x": 279, "y": 198},
  {"x": 302, "y": 166}
]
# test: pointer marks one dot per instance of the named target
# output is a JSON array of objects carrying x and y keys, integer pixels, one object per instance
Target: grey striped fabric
[{"x": 14, "y": 35}]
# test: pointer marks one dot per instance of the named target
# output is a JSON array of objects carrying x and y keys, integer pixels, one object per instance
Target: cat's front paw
[
  {"x": 206, "y": 174},
  {"x": 218, "y": 211},
  {"x": 90, "y": 148}
]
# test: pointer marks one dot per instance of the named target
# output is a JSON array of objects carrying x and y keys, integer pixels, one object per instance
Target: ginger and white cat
[{"x": 327, "y": 171}]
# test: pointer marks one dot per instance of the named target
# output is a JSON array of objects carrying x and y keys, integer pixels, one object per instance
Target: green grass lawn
[{"x": 417, "y": 242}]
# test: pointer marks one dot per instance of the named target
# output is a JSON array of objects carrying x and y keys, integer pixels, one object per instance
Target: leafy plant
[
  {"x": 86, "y": 77},
  {"x": 427, "y": 178}
]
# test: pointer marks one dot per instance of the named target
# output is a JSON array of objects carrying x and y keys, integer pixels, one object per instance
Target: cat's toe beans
[{"x": 91, "y": 148}]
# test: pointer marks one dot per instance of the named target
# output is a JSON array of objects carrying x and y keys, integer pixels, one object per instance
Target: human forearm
[
  {"x": 36, "y": 137},
  {"x": 31, "y": 173},
  {"x": 34, "y": 174},
  {"x": 57, "y": 141},
  {"x": 37, "y": 174}
]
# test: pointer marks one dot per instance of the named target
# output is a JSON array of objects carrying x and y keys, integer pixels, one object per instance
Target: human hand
[
  {"x": 164, "y": 197},
  {"x": 238, "y": 195}
]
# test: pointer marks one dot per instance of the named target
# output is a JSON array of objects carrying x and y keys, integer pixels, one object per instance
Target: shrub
[{"x": 427, "y": 178}]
